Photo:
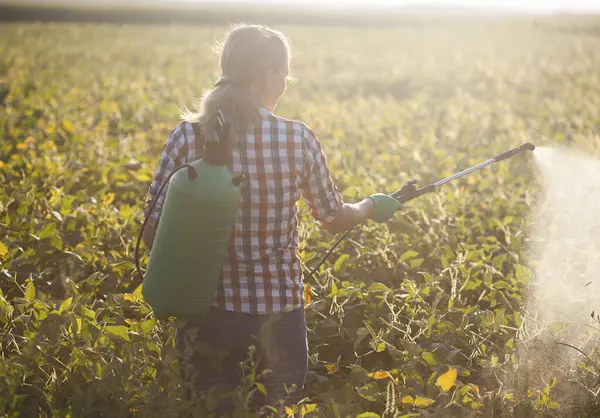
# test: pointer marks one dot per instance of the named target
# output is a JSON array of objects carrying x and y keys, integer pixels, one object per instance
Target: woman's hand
[
  {"x": 379, "y": 207},
  {"x": 385, "y": 207}
]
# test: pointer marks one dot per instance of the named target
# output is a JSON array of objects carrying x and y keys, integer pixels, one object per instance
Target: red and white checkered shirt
[{"x": 282, "y": 160}]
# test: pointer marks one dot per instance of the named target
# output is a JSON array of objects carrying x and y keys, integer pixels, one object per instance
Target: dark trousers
[{"x": 214, "y": 347}]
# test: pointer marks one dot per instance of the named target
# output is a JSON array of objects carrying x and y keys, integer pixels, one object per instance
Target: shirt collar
[{"x": 264, "y": 111}]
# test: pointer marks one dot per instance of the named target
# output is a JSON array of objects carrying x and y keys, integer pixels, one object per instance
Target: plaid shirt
[{"x": 282, "y": 160}]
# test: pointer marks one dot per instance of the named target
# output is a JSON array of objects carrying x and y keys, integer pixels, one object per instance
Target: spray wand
[{"x": 409, "y": 191}]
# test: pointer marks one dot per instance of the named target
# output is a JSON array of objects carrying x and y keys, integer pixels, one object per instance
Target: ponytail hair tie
[{"x": 224, "y": 80}]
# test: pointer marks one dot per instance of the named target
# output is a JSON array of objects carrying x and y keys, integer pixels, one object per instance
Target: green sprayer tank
[{"x": 191, "y": 241}]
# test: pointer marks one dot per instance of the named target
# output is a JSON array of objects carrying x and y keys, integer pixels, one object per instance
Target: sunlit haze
[{"x": 500, "y": 5}]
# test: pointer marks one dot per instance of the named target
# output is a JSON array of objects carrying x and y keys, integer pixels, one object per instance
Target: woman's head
[
  {"x": 255, "y": 64},
  {"x": 259, "y": 57}
]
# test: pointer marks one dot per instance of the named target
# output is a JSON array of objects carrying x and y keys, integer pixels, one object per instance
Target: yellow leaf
[
  {"x": 109, "y": 198},
  {"x": 67, "y": 126},
  {"x": 289, "y": 411},
  {"x": 29, "y": 139},
  {"x": 2, "y": 164},
  {"x": 423, "y": 401},
  {"x": 307, "y": 293},
  {"x": 331, "y": 368},
  {"x": 3, "y": 249},
  {"x": 447, "y": 380},
  {"x": 380, "y": 374},
  {"x": 22, "y": 146},
  {"x": 408, "y": 400}
]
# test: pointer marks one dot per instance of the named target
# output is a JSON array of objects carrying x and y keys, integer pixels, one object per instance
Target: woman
[{"x": 259, "y": 300}]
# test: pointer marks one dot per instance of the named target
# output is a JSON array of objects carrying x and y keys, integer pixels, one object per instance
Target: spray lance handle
[{"x": 409, "y": 191}]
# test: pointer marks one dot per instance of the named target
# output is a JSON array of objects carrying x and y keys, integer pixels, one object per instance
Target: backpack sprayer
[
  {"x": 197, "y": 218},
  {"x": 192, "y": 237}
]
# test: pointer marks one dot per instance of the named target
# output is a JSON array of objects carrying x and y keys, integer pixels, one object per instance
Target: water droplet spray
[{"x": 565, "y": 252}]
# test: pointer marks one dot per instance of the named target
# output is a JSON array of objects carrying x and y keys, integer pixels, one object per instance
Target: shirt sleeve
[
  {"x": 174, "y": 153},
  {"x": 317, "y": 187}
]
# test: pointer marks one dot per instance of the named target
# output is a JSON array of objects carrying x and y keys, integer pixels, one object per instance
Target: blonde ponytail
[{"x": 248, "y": 53}]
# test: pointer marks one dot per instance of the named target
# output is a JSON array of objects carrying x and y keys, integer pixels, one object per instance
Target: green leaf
[
  {"x": 57, "y": 215},
  {"x": 494, "y": 360},
  {"x": 65, "y": 305},
  {"x": 3, "y": 249},
  {"x": 370, "y": 391},
  {"x": 416, "y": 263},
  {"x": 408, "y": 255},
  {"x": 261, "y": 388},
  {"x": 472, "y": 284},
  {"x": 359, "y": 376},
  {"x": 361, "y": 334},
  {"x": 119, "y": 331},
  {"x": 423, "y": 402},
  {"x": 518, "y": 319},
  {"x": 138, "y": 292},
  {"x": 30, "y": 291},
  {"x": 370, "y": 329},
  {"x": 429, "y": 358},
  {"x": 48, "y": 231},
  {"x": 56, "y": 242},
  {"x": 557, "y": 326},
  {"x": 6, "y": 308},
  {"x": 340, "y": 263},
  {"x": 445, "y": 262},
  {"x": 378, "y": 287},
  {"x": 147, "y": 326},
  {"x": 368, "y": 415},
  {"x": 501, "y": 285},
  {"x": 523, "y": 274},
  {"x": 334, "y": 288}
]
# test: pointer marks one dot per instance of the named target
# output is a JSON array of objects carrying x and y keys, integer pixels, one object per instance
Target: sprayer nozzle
[{"x": 528, "y": 146}]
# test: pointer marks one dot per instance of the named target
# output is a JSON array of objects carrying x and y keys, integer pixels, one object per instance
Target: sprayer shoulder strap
[{"x": 199, "y": 140}]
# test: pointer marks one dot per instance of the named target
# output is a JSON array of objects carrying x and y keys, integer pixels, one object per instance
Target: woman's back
[{"x": 281, "y": 160}]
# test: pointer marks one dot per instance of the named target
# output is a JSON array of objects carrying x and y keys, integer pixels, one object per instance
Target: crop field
[{"x": 426, "y": 316}]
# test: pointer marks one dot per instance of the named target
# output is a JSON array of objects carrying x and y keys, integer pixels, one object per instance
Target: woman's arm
[
  {"x": 324, "y": 201},
  {"x": 149, "y": 234},
  {"x": 349, "y": 215},
  {"x": 173, "y": 154}
]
